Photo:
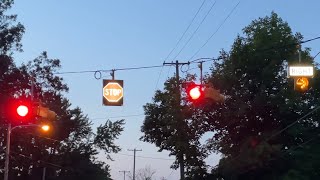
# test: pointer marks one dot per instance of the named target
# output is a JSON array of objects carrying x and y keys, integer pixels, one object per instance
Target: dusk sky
[{"x": 109, "y": 34}]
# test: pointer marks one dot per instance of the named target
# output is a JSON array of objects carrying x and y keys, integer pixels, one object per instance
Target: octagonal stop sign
[{"x": 113, "y": 92}]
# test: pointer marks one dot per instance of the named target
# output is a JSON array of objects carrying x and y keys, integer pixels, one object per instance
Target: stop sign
[{"x": 113, "y": 92}]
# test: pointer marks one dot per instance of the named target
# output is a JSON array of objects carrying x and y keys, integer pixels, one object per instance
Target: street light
[{"x": 43, "y": 127}]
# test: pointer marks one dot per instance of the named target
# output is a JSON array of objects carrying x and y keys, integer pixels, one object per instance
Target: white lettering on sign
[
  {"x": 300, "y": 71},
  {"x": 113, "y": 92}
]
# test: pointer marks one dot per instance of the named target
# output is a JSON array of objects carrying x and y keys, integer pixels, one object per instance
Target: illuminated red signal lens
[
  {"x": 22, "y": 110},
  {"x": 195, "y": 93}
]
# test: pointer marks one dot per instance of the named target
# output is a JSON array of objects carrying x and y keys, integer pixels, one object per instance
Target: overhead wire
[
  {"x": 159, "y": 76},
  {"x": 44, "y": 162},
  {"x": 170, "y": 174},
  {"x": 146, "y": 157},
  {"x": 184, "y": 33},
  {"x": 294, "y": 122},
  {"x": 291, "y": 124},
  {"x": 158, "y": 66},
  {"x": 195, "y": 31},
  {"x": 46, "y": 138},
  {"x": 280, "y": 131},
  {"x": 302, "y": 144},
  {"x": 316, "y": 55},
  {"x": 221, "y": 24},
  {"x": 174, "y": 48},
  {"x": 112, "y": 117},
  {"x": 110, "y": 70}
]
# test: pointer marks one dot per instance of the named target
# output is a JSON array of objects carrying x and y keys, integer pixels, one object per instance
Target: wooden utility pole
[
  {"x": 134, "y": 161},
  {"x": 180, "y": 155},
  {"x": 124, "y": 174}
]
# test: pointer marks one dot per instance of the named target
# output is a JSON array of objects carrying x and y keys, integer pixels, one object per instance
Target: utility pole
[
  {"x": 44, "y": 173},
  {"x": 180, "y": 155},
  {"x": 201, "y": 72},
  {"x": 124, "y": 174},
  {"x": 134, "y": 161},
  {"x": 9, "y": 129},
  {"x": 6, "y": 168}
]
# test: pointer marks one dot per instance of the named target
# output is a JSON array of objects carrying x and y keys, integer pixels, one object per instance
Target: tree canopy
[
  {"x": 69, "y": 150},
  {"x": 264, "y": 129},
  {"x": 251, "y": 127}
]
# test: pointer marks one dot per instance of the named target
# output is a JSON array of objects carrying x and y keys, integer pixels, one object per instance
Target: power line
[
  {"x": 174, "y": 48},
  {"x": 158, "y": 78},
  {"x": 146, "y": 157},
  {"x": 110, "y": 70},
  {"x": 279, "y": 132},
  {"x": 303, "y": 144},
  {"x": 288, "y": 126},
  {"x": 216, "y": 30},
  {"x": 46, "y": 138},
  {"x": 111, "y": 117},
  {"x": 316, "y": 55},
  {"x": 310, "y": 40},
  {"x": 220, "y": 58},
  {"x": 158, "y": 66},
  {"x": 168, "y": 72},
  {"x": 81, "y": 72},
  {"x": 170, "y": 174},
  {"x": 194, "y": 17},
  {"x": 196, "y": 30},
  {"x": 44, "y": 162},
  {"x": 135, "y": 68}
]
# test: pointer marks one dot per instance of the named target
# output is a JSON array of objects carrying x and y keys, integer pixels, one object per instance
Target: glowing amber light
[
  {"x": 45, "y": 128},
  {"x": 303, "y": 83},
  {"x": 22, "y": 110},
  {"x": 195, "y": 93}
]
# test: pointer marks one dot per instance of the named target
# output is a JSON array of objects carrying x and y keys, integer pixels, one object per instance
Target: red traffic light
[
  {"x": 22, "y": 110},
  {"x": 195, "y": 92},
  {"x": 19, "y": 111}
]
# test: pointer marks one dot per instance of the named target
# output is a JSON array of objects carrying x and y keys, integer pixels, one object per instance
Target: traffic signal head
[
  {"x": 19, "y": 111},
  {"x": 195, "y": 92},
  {"x": 22, "y": 110},
  {"x": 301, "y": 84},
  {"x": 45, "y": 113},
  {"x": 213, "y": 94}
]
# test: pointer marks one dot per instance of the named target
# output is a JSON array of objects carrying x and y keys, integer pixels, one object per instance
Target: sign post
[{"x": 112, "y": 92}]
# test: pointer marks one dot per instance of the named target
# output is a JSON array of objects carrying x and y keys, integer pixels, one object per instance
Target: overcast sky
[{"x": 108, "y": 34}]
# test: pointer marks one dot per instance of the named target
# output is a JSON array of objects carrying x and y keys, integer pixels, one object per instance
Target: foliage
[
  {"x": 171, "y": 126},
  {"x": 107, "y": 134},
  {"x": 68, "y": 151},
  {"x": 260, "y": 102},
  {"x": 146, "y": 173},
  {"x": 10, "y": 31}
]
